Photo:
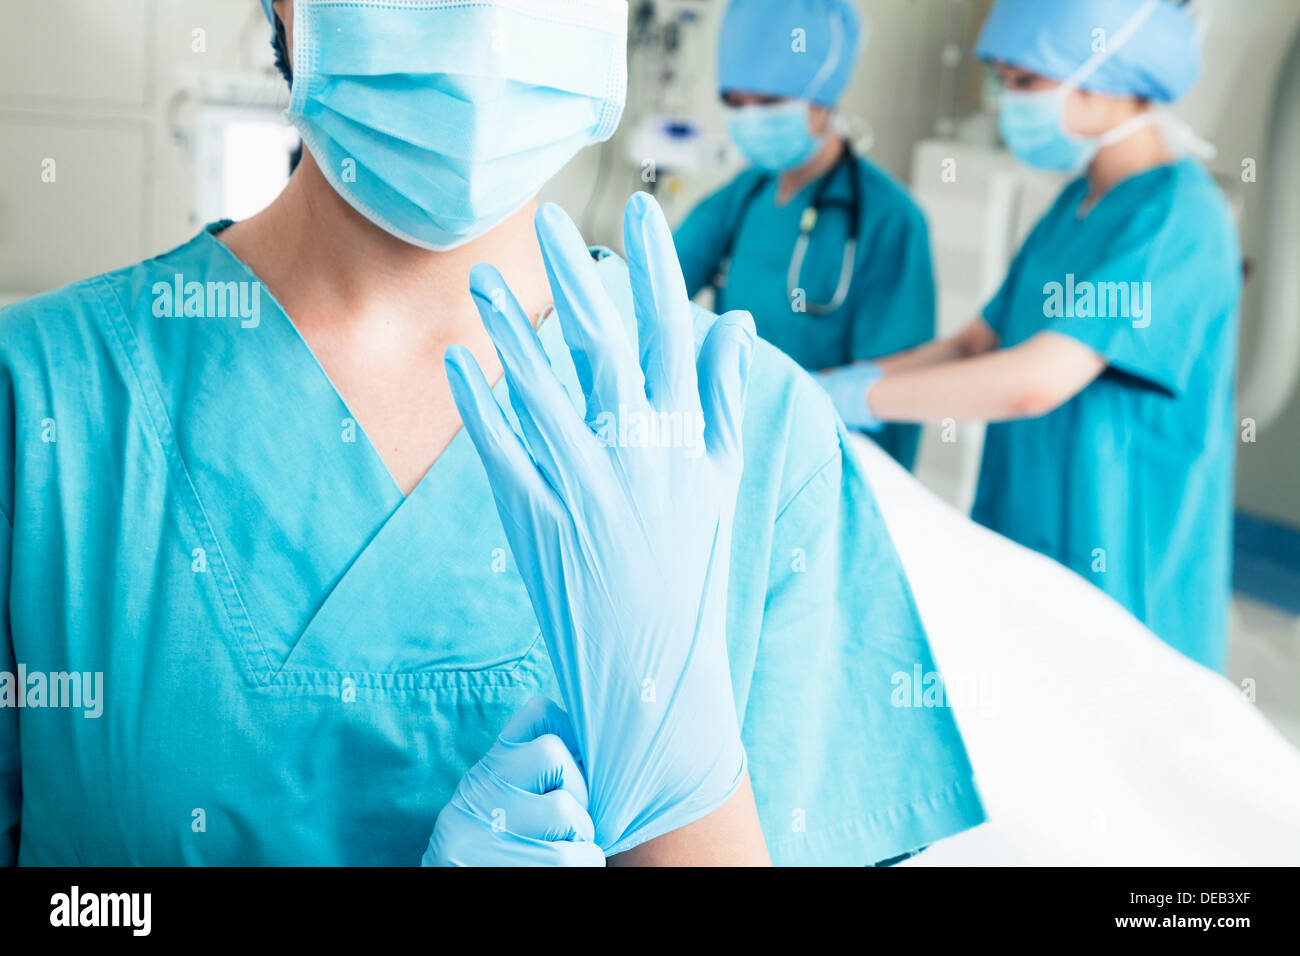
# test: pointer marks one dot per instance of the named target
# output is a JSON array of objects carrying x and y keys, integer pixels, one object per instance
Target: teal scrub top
[
  {"x": 1130, "y": 483},
  {"x": 299, "y": 663},
  {"x": 891, "y": 302}
]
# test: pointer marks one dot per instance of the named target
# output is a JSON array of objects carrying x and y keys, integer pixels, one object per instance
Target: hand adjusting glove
[
  {"x": 524, "y": 804},
  {"x": 621, "y": 524},
  {"x": 848, "y": 388}
]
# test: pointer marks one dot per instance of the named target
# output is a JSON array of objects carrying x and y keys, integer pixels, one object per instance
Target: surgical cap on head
[
  {"x": 1161, "y": 60},
  {"x": 270, "y": 13},
  {"x": 800, "y": 49}
]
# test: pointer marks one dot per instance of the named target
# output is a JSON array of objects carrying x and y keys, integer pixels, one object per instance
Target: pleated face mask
[
  {"x": 776, "y": 136},
  {"x": 437, "y": 120}
]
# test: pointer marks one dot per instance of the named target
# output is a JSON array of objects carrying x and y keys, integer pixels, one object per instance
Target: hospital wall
[
  {"x": 107, "y": 93},
  {"x": 94, "y": 98}
]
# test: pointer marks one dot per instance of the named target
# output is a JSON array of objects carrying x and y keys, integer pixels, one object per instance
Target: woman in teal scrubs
[
  {"x": 823, "y": 247},
  {"x": 1107, "y": 359},
  {"x": 233, "y": 483}
]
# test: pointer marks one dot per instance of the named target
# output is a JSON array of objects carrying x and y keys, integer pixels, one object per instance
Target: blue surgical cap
[
  {"x": 1161, "y": 61},
  {"x": 799, "y": 49},
  {"x": 266, "y": 4}
]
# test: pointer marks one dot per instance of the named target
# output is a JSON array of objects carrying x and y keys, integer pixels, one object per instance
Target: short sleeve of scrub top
[
  {"x": 1108, "y": 303},
  {"x": 1159, "y": 353},
  {"x": 307, "y": 661}
]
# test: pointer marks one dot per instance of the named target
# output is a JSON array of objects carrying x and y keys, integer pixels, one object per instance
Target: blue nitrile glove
[
  {"x": 848, "y": 388},
  {"x": 624, "y": 550},
  {"x": 524, "y": 804}
]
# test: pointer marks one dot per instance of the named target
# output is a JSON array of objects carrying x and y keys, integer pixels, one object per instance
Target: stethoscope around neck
[{"x": 821, "y": 202}]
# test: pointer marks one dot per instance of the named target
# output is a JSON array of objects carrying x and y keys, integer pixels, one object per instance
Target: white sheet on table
[{"x": 1093, "y": 741}]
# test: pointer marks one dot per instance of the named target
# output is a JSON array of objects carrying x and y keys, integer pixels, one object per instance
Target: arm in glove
[
  {"x": 624, "y": 543},
  {"x": 524, "y": 804},
  {"x": 849, "y": 388}
]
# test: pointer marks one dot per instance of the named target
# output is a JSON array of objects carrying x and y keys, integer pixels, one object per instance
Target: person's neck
[
  {"x": 823, "y": 161},
  {"x": 1144, "y": 150},
  {"x": 324, "y": 260}
]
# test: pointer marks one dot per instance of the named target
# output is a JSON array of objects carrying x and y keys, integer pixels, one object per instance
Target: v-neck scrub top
[{"x": 299, "y": 663}]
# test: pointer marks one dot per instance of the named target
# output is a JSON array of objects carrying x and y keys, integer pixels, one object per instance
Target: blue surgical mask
[
  {"x": 439, "y": 121},
  {"x": 774, "y": 137},
  {"x": 1033, "y": 127}
]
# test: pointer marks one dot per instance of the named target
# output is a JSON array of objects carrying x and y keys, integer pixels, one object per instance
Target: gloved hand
[
  {"x": 848, "y": 388},
  {"x": 621, "y": 524},
  {"x": 524, "y": 804}
]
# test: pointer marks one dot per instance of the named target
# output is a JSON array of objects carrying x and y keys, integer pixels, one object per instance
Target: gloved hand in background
[
  {"x": 524, "y": 804},
  {"x": 849, "y": 388},
  {"x": 624, "y": 548}
]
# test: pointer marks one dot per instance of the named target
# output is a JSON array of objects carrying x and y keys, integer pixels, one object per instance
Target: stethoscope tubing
[{"x": 808, "y": 224}]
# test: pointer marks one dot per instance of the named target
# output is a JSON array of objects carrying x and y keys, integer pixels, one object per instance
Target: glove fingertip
[
  {"x": 457, "y": 361},
  {"x": 557, "y": 233},
  {"x": 484, "y": 278}
]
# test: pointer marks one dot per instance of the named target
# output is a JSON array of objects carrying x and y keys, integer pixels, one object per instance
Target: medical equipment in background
[
  {"x": 852, "y": 208},
  {"x": 233, "y": 126},
  {"x": 676, "y": 144},
  {"x": 957, "y": 33},
  {"x": 1270, "y": 377},
  {"x": 1268, "y": 521},
  {"x": 664, "y": 139}
]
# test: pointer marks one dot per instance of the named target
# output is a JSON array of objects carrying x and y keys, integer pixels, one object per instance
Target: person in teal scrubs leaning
[
  {"x": 1107, "y": 359},
  {"x": 234, "y": 484},
  {"x": 823, "y": 247}
]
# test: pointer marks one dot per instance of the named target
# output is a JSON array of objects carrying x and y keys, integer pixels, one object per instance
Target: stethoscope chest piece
[
  {"x": 794, "y": 277},
  {"x": 807, "y": 226}
]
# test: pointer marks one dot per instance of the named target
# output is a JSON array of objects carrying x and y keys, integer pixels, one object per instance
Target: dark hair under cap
[{"x": 280, "y": 43}]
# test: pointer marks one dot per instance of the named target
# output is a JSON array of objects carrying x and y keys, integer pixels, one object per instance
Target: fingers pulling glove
[
  {"x": 621, "y": 523},
  {"x": 524, "y": 804},
  {"x": 849, "y": 388}
]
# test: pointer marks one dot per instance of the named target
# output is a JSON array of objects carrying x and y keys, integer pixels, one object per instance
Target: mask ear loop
[{"x": 1126, "y": 129}]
